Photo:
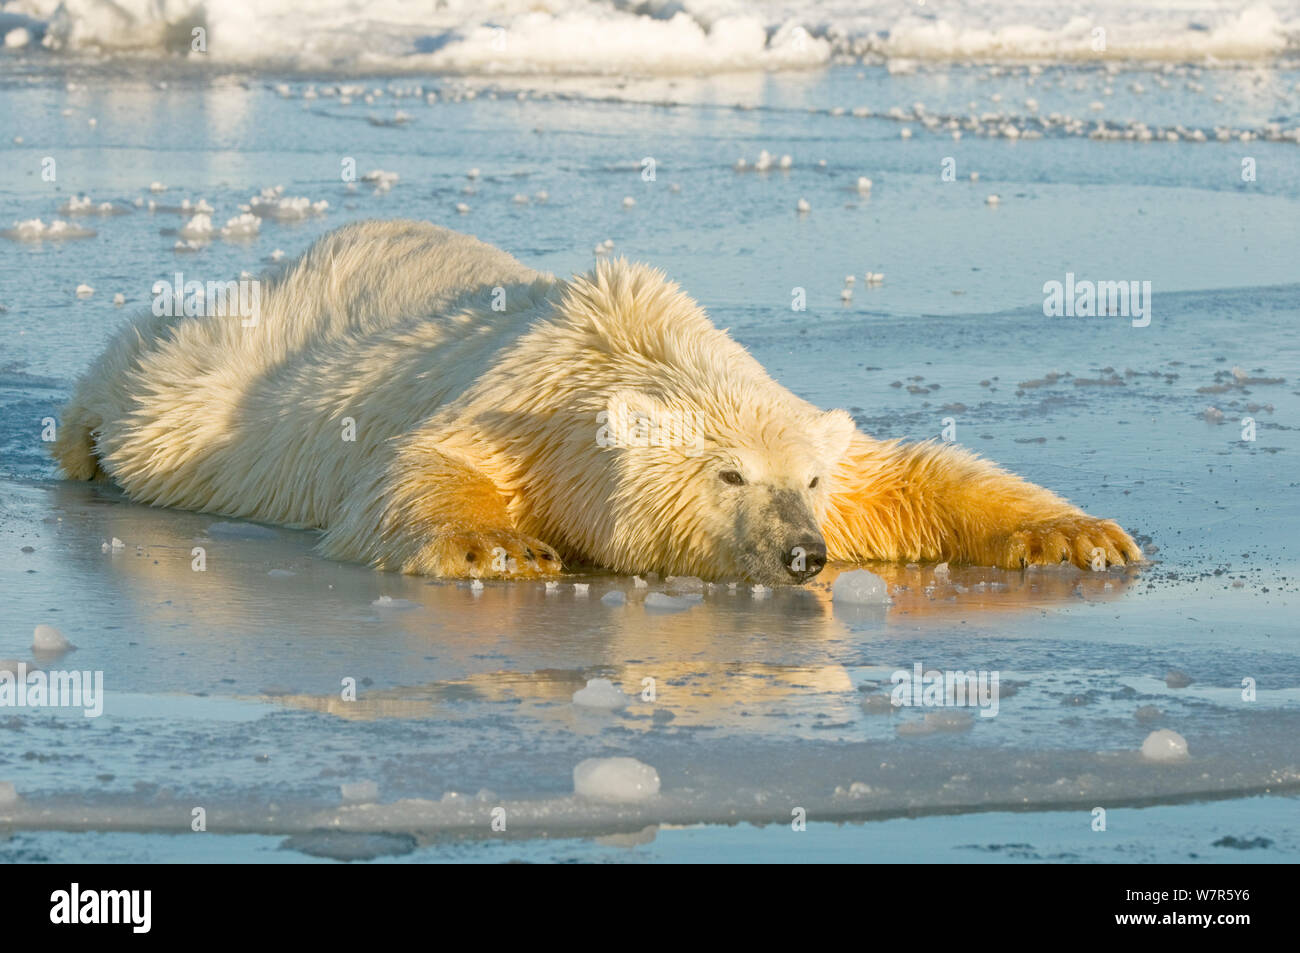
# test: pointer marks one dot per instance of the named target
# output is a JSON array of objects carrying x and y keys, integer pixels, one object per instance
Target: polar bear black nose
[{"x": 805, "y": 559}]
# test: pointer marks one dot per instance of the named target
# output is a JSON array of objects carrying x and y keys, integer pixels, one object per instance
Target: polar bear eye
[
  {"x": 732, "y": 477},
  {"x": 813, "y": 484}
]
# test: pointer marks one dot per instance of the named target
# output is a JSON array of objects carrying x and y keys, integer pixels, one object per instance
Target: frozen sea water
[{"x": 260, "y": 696}]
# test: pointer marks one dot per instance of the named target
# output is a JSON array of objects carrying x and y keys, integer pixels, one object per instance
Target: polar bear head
[{"x": 688, "y": 458}]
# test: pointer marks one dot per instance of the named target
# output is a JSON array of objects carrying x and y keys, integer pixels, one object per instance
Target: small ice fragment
[
  {"x": 639, "y": 583},
  {"x": 759, "y": 590},
  {"x": 615, "y": 779},
  {"x": 476, "y": 585},
  {"x": 992, "y": 200},
  {"x": 472, "y": 174},
  {"x": 8, "y": 796},
  {"x": 552, "y": 586},
  {"x": 119, "y": 299},
  {"x": 281, "y": 573},
  {"x": 112, "y": 547},
  {"x": 941, "y": 569},
  {"x": 1148, "y": 713},
  {"x": 84, "y": 290},
  {"x": 46, "y": 638},
  {"x": 600, "y": 693},
  {"x": 581, "y": 588},
  {"x": 1164, "y": 745},
  {"x": 461, "y": 208},
  {"x": 1177, "y": 678},
  {"x": 803, "y": 206},
  {"x": 359, "y": 792},
  {"x": 615, "y": 597},
  {"x": 864, "y": 184},
  {"x": 157, "y": 187},
  {"x": 628, "y": 201},
  {"x": 860, "y": 587}
]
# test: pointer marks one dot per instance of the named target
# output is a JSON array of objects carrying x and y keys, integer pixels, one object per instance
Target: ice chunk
[
  {"x": 359, "y": 792},
  {"x": 615, "y": 597},
  {"x": 936, "y": 721},
  {"x": 581, "y": 588},
  {"x": 197, "y": 228},
  {"x": 615, "y": 779},
  {"x": 272, "y": 203},
  {"x": 243, "y": 226},
  {"x": 388, "y": 602},
  {"x": 384, "y": 181},
  {"x": 662, "y": 602},
  {"x": 115, "y": 546},
  {"x": 860, "y": 587},
  {"x": 1165, "y": 746},
  {"x": 46, "y": 638},
  {"x": 600, "y": 693}
]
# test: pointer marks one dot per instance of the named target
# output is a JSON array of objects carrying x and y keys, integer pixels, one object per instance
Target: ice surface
[
  {"x": 600, "y": 693},
  {"x": 759, "y": 703},
  {"x": 615, "y": 779},
  {"x": 696, "y": 36},
  {"x": 860, "y": 587}
]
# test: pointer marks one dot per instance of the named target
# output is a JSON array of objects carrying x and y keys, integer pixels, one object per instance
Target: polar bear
[{"x": 436, "y": 407}]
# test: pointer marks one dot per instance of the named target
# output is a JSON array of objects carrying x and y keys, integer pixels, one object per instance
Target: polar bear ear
[{"x": 836, "y": 430}]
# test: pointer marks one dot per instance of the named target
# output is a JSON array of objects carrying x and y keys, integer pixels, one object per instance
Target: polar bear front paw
[
  {"x": 487, "y": 554},
  {"x": 1083, "y": 540}
]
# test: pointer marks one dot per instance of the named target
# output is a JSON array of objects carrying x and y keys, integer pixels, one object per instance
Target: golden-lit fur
[{"x": 489, "y": 408}]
